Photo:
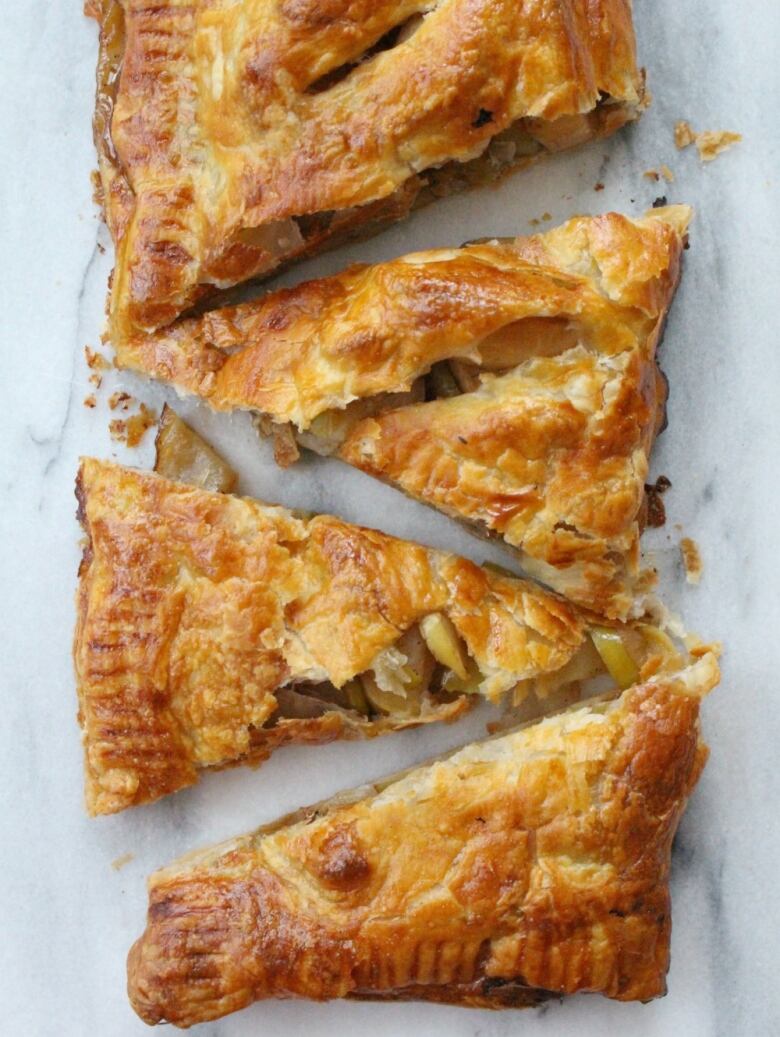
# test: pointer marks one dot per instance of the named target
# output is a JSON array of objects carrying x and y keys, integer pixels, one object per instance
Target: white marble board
[{"x": 67, "y": 917}]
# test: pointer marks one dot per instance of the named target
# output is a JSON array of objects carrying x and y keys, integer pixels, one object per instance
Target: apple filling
[{"x": 430, "y": 665}]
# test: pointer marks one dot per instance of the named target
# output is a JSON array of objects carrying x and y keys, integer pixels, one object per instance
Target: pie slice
[
  {"x": 512, "y": 385},
  {"x": 531, "y": 865},
  {"x": 212, "y": 629},
  {"x": 237, "y": 135}
]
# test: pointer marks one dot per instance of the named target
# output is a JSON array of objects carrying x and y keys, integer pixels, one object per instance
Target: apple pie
[
  {"x": 212, "y": 629},
  {"x": 237, "y": 135},
  {"x": 528, "y": 866},
  {"x": 512, "y": 384}
]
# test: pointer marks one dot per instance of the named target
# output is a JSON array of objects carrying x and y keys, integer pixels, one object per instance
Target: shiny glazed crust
[
  {"x": 195, "y": 608},
  {"x": 218, "y": 121},
  {"x": 532, "y": 864},
  {"x": 551, "y": 454}
]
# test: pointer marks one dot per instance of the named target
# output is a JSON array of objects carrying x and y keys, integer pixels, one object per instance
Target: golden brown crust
[
  {"x": 550, "y": 453},
  {"x": 218, "y": 122},
  {"x": 534, "y": 863},
  {"x": 195, "y": 608}
]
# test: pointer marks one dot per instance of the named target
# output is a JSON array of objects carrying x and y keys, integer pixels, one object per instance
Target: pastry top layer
[
  {"x": 298, "y": 352},
  {"x": 540, "y": 858},
  {"x": 196, "y": 607},
  {"x": 220, "y": 120},
  {"x": 550, "y": 452}
]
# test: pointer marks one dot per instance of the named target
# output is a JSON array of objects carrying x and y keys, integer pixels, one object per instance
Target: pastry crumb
[
  {"x": 534, "y": 222},
  {"x": 683, "y": 134},
  {"x": 697, "y": 648},
  {"x": 709, "y": 143},
  {"x": 120, "y": 399},
  {"x": 286, "y": 451},
  {"x": 598, "y": 187},
  {"x": 656, "y": 512},
  {"x": 119, "y": 862},
  {"x": 95, "y": 361},
  {"x": 691, "y": 560},
  {"x": 662, "y": 171},
  {"x": 131, "y": 431},
  {"x": 90, "y": 401},
  {"x": 712, "y": 143},
  {"x": 94, "y": 176},
  {"x": 546, "y": 217}
]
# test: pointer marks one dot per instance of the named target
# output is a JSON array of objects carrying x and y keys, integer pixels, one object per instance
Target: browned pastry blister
[
  {"x": 512, "y": 385},
  {"x": 237, "y": 135},
  {"x": 531, "y": 865}
]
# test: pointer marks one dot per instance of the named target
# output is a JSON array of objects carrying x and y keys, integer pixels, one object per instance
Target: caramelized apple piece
[
  {"x": 389, "y": 702},
  {"x": 466, "y": 374},
  {"x": 182, "y": 455},
  {"x": 442, "y": 381},
  {"x": 356, "y": 697},
  {"x": 615, "y": 655},
  {"x": 443, "y": 640}
]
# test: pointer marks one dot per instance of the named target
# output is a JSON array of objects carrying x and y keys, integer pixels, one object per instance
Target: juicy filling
[
  {"x": 412, "y": 676},
  {"x": 430, "y": 665}
]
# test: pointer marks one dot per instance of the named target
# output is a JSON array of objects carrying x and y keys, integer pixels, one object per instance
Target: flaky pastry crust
[
  {"x": 196, "y": 608},
  {"x": 549, "y": 452},
  {"x": 530, "y": 865},
  {"x": 234, "y": 135}
]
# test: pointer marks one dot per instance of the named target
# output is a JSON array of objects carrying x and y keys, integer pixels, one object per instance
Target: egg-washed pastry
[
  {"x": 513, "y": 385},
  {"x": 237, "y": 135},
  {"x": 212, "y": 629},
  {"x": 528, "y": 866}
]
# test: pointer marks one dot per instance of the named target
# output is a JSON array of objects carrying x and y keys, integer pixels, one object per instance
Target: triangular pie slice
[
  {"x": 212, "y": 629},
  {"x": 528, "y": 866},
  {"x": 237, "y": 135},
  {"x": 513, "y": 385}
]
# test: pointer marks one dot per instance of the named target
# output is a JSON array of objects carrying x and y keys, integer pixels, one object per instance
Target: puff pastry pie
[
  {"x": 237, "y": 135},
  {"x": 213, "y": 628},
  {"x": 531, "y": 865},
  {"x": 512, "y": 385}
]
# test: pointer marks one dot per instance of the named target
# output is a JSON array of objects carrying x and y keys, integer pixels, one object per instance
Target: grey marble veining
[{"x": 66, "y": 916}]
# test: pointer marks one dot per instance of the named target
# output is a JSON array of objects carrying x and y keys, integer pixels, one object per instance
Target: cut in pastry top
[
  {"x": 234, "y": 135},
  {"x": 512, "y": 385},
  {"x": 532, "y": 865}
]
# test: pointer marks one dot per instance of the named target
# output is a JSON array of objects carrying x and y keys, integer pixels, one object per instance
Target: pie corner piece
[
  {"x": 233, "y": 138},
  {"x": 532, "y": 865},
  {"x": 204, "y": 632}
]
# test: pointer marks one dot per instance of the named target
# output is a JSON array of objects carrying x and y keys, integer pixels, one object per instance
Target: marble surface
[{"x": 67, "y": 917}]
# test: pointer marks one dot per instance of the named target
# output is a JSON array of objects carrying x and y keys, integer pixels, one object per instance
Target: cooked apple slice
[
  {"x": 621, "y": 667},
  {"x": 182, "y": 455},
  {"x": 442, "y": 639}
]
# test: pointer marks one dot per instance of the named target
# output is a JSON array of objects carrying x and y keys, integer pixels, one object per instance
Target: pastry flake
[
  {"x": 709, "y": 143},
  {"x": 212, "y": 629},
  {"x": 512, "y": 384},
  {"x": 237, "y": 135},
  {"x": 529, "y": 866}
]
